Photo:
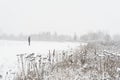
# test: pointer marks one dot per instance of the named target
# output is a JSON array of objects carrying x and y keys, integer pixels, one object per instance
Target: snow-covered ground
[{"x": 9, "y": 50}]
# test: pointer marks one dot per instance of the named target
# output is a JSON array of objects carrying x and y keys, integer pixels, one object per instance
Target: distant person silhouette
[{"x": 29, "y": 40}]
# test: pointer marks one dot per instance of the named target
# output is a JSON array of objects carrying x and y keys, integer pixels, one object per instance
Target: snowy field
[{"x": 9, "y": 50}]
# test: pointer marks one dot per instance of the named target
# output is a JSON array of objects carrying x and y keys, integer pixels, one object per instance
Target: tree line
[{"x": 45, "y": 36}]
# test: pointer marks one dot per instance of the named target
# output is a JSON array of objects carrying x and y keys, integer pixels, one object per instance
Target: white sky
[{"x": 62, "y": 16}]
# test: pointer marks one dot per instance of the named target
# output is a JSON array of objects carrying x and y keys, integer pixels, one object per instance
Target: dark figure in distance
[{"x": 29, "y": 40}]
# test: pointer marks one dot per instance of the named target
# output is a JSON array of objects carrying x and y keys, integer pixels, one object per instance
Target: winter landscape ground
[
  {"x": 97, "y": 60},
  {"x": 96, "y": 57}
]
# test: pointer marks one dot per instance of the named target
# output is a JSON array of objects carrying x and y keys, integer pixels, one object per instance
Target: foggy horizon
[{"x": 64, "y": 17}]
